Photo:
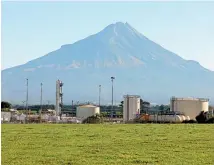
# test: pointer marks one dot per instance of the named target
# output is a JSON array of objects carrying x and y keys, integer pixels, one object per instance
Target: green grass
[{"x": 151, "y": 144}]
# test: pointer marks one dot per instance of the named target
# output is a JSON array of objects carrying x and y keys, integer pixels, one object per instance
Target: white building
[
  {"x": 189, "y": 106},
  {"x": 21, "y": 117},
  {"x": 6, "y": 116},
  {"x": 131, "y": 107},
  {"x": 86, "y": 111}
]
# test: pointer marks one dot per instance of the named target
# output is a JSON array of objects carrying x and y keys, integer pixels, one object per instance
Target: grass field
[{"x": 151, "y": 144}]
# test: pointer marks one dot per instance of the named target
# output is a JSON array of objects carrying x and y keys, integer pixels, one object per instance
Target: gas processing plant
[{"x": 181, "y": 109}]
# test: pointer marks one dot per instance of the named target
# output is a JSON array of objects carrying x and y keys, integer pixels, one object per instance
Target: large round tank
[
  {"x": 183, "y": 117},
  {"x": 189, "y": 106},
  {"x": 85, "y": 111},
  {"x": 166, "y": 118},
  {"x": 131, "y": 107}
]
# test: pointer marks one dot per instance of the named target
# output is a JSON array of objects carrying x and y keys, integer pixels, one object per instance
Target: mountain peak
[
  {"x": 117, "y": 50},
  {"x": 122, "y": 24},
  {"x": 117, "y": 25},
  {"x": 120, "y": 29}
]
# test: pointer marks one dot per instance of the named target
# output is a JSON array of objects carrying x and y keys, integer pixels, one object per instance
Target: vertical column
[{"x": 57, "y": 98}]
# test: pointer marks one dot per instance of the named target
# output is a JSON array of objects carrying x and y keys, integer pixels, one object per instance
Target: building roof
[
  {"x": 86, "y": 106},
  {"x": 189, "y": 98},
  {"x": 131, "y": 96}
]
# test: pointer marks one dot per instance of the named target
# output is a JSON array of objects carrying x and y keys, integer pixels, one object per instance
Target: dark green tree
[
  {"x": 119, "y": 114},
  {"x": 202, "y": 117},
  {"x": 104, "y": 114},
  {"x": 96, "y": 119},
  {"x": 5, "y": 104},
  {"x": 121, "y": 104},
  {"x": 144, "y": 106},
  {"x": 161, "y": 108}
]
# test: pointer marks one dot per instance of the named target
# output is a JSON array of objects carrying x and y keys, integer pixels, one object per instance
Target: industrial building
[
  {"x": 189, "y": 106},
  {"x": 86, "y": 111},
  {"x": 131, "y": 107},
  {"x": 59, "y": 100},
  {"x": 6, "y": 116}
]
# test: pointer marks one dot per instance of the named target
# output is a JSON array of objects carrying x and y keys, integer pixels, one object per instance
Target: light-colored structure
[
  {"x": 71, "y": 120},
  {"x": 131, "y": 107},
  {"x": 58, "y": 107},
  {"x": 6, "y": 116},
  {"x": 21, "y": 117},
  {"x": 85, "y": 111},
  {"x": 189, "y": 106},
  {"x": 168, "y": 118}
]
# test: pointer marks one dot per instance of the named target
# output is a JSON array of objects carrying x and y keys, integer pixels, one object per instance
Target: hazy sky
[{"x": 33, "y": 29}]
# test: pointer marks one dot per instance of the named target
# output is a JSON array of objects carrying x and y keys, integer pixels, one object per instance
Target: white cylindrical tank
[
  {"x": 183, "y": 117},
  {"x": 85, "y": 111},
  {"x": 131, "y": 107},
  {"x": 187, "y": 118},
  {"x": 166, "y": 118},
  {"x": 189, "y": 106}
]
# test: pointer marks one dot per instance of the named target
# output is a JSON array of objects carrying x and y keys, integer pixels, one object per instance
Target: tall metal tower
[
  {"x": 27, "y": 101},
  {"x": 99, "y": 93},
  {"x": 41, "y": 98},
  {"x": 40, "y": 112},
  {"x": 59, "y": 100},
  {"x": 112, "y": 101}
]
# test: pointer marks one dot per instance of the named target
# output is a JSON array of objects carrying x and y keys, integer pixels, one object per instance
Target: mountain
[{"x": 140, "y": 66}]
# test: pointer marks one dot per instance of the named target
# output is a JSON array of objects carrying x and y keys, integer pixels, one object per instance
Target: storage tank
[
  {"x": 187, "y": 118},
  {"x": 183, "y": 117},
  {"x": 165, "y": 118},
  {"x": 189, "y": 106},
  {"x": 85, "y": 111},
  {"x": 131, "y": 107}
]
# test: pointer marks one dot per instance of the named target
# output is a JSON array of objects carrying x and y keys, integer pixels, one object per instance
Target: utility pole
[
  {"x": 99, "y": 94},
  {"x": 48, "y": 104},
  {"x": 112, "y": 101},
  {"x": 27, "y": 100},
  {"x": 72, "y": 108},
  {"x": 41, "y": 98},
  {"x": 40, "y": 113},
  {"x": 23, "y": 105}
]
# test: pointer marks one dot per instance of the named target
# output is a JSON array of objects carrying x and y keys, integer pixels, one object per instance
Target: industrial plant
[
  {"x": 190, "y": 106},
  {"x": 180, "y": 110},
  {"x": 131, "y": 108}
]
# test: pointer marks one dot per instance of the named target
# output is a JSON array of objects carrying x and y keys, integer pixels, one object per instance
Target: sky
[{"x": 33, "y": 29}]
